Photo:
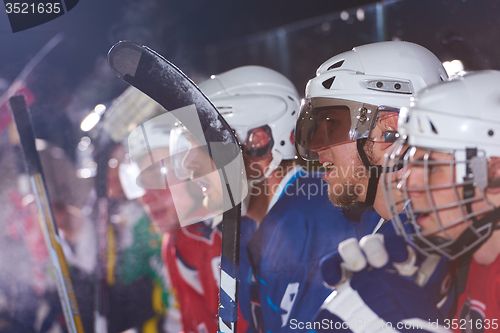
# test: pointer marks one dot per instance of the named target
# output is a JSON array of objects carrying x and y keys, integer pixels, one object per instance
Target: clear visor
[
  {"x": 185, "y": 168},
  {"x": 180, "y": 145},
  {"x": 128, "y": 174},
  {"x": 191, "y": 161},
  {"x": 325, "y": 122},
  {"x": 429, "y": 189}
]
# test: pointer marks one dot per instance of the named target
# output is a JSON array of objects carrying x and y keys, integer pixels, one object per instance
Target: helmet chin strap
[
  {"x": 485, "y": 227},
  {"x": 375, "y": 172},
  {"x": 275, "y": 162},
  {"x": 469, "y": 189}
]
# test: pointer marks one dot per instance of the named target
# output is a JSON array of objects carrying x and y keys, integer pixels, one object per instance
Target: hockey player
[
  {"x": 348, "y": 121},
  {"x": 452, "y": 176},
  {"x": 287, "y": 224},
  {"x": 452, "y": 180},
  {"x": 139, "y": 258},
  {"x": 191, "y": 253},
  {"x": 349, "y": 117}
]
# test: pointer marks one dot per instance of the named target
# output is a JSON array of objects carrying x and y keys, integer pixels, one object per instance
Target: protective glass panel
[
  {"x": 453, "y": 30},
  {"x": 138, "y": 239}
]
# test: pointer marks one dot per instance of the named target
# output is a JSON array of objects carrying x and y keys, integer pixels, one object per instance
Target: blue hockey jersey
[
  {"x": 283, "y": 281},
  {"x": 394, "y": 301}
]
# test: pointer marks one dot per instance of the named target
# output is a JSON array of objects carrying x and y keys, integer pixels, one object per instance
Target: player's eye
[{"x": 431, "y": 169}]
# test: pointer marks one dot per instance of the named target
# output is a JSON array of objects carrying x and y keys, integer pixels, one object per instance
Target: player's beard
[
  {"x": 352, "y": 184},
  {"x": 348, "y": 195}
]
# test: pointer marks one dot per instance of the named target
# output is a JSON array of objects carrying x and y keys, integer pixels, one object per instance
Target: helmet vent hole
[
  {"x": 282, "y": 143},
  {"x": 336, "y": 65},
  {"x": 490, "y": 132},
  {"x": 291, "y": 98},
  {"x": 328, "y": 83},
  {"x": 293, "y": 113},
  {"x": 433, "y": 127}
]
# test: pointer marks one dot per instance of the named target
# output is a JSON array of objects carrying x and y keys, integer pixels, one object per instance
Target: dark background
[{"x": 205, "y": 37}]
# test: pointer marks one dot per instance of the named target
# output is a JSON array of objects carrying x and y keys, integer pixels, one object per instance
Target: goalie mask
[{"x": 452, "y": 130}]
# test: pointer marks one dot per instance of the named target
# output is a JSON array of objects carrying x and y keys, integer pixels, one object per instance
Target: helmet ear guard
[{"x": 257, "y": 149}]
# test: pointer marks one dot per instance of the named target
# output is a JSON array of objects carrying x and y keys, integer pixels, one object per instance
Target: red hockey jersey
[
  {"x": 192, "y": 256},
  {"x": 479, "y": 306}
]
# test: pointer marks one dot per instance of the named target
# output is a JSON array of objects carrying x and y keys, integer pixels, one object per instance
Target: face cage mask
[
  {"x": 324, "y": 122},
  {"x": 399, "y": 186}
]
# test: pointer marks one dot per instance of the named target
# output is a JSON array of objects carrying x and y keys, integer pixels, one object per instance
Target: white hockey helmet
[
  {"x": 251, "y": 97},
  {"x": 148, "y": 149},
  {"x": 343, "y": 100},
  {"x": 460, "y": 117}
]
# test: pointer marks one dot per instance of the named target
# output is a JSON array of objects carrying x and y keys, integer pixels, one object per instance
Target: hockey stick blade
[
  {"x": 155, "y": 76},
  {"x": 33, "y": 166}
]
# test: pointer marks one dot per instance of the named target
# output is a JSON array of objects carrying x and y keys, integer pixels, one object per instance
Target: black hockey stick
[
  {"x": 33, "y": 166},
  {"x": 149, "y": 72}
]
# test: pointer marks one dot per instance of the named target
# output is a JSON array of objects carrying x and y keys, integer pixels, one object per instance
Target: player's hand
[
  {"x": 380, "y": 282},
  {"x": 392, "y": 254}
]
